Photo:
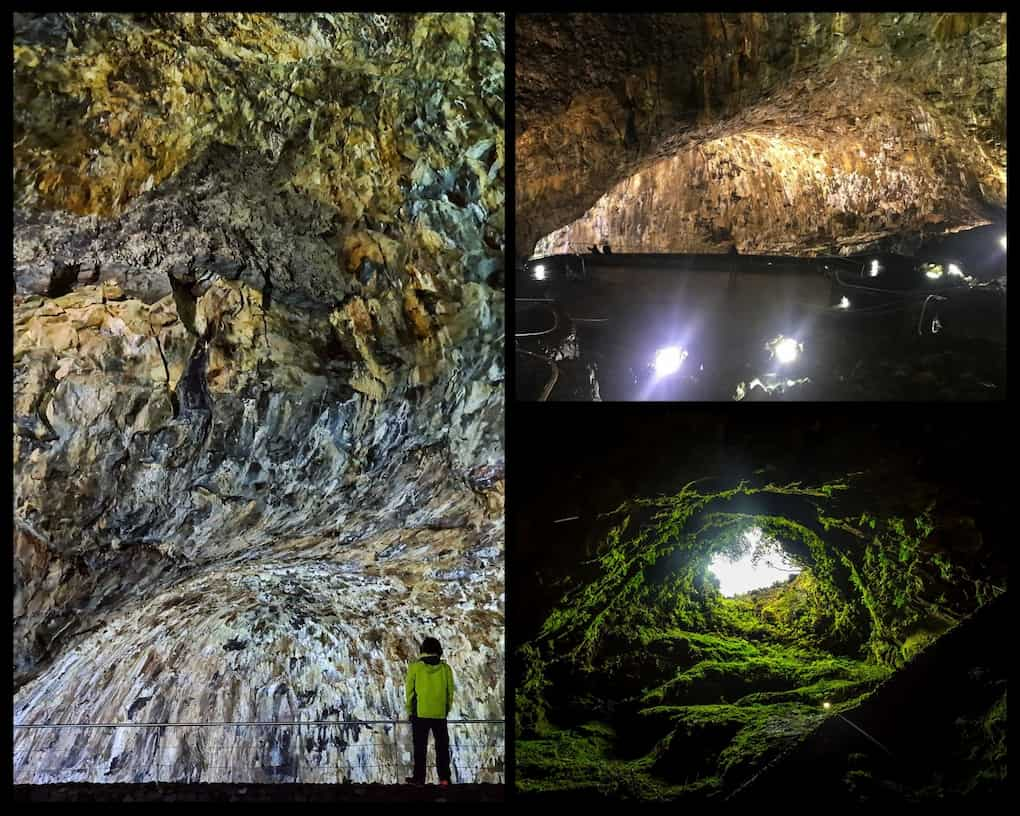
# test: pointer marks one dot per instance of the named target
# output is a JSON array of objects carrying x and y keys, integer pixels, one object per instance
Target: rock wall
[
  {"x": 769, "y": 131},
  {"x": 258, "y": 371},
  {"x": 645, "y": 683}
]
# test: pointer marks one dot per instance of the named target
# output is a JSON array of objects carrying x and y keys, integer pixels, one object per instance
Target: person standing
[{"x": 429, "y": 697}]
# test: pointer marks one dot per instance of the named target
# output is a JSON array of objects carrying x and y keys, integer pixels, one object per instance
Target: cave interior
[
  {"x": 726, "y": 137},
  {"x": 871, "y": 671},
  {"x": 796, "y": 133},
  {"x": 258, "y": 392}
]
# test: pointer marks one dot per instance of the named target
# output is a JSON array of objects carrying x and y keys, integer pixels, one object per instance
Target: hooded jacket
[{"x": 429, "y": 688}]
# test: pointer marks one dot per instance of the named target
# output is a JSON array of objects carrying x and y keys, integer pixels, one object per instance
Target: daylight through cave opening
[{"x": 761, "y": 564}]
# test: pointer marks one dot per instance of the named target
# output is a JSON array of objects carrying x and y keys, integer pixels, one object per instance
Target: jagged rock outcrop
[
  {"x": 258, "y": 406},
  {"x": 774, "y": 132}
]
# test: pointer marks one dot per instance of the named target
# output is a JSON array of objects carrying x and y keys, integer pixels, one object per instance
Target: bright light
[
  {"x": 1002, "y": 241},
  {"x": 787, "y": 350},
  {"x": 953, "y": 269},
  {"x": 844, "y": 302},
  {"x": 741, "y": 575},
  {"x": 932, "y": 271},
  {"x": 826, "y": 705},
  {"x": 875, "y": 268},
  {"x": 539, "y": 272},
  {"x": 668, "y": 360}
]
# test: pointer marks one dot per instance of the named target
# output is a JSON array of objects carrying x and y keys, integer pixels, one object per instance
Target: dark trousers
[{"x": 420, "y": 727}]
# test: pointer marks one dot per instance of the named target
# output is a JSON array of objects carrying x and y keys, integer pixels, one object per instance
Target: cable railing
[
  {"x": 242, "y": 722},
  {"x": 250, "y": 752}
]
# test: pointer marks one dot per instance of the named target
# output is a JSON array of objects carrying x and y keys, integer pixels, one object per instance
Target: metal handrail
[
  {"x": 551, "y": 383},
  {"x": 252, "y": 722},
  {"x": 380, "y": 754}
]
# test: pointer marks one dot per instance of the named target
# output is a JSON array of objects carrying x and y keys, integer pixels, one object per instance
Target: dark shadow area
[{"x": 876, "y": 326}]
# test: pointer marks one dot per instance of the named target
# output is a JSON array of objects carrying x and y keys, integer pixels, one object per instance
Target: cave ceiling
[
  {"x": 771, "y": 132},
  {"x": 258, "y": 382}
]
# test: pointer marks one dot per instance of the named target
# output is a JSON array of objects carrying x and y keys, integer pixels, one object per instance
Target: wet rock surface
[
  {"x": 771, "y": 132},
  {"x": 258, "y": 370}
]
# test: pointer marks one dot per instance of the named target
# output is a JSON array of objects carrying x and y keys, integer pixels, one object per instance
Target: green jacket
[{"x": 429, "y": 688}]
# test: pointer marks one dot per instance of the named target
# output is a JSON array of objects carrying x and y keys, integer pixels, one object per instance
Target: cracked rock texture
[
  {"x": 258, "y": 400},
  {"x": 773, "y": 132}
]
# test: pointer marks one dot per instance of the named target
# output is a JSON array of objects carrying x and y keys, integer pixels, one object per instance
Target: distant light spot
[{"x": 757, "y": 567}]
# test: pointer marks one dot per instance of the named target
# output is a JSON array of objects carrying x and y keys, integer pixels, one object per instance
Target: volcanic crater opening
[
  {"x": 736, "y": 636},
  {"x": 759, "y": 564}
]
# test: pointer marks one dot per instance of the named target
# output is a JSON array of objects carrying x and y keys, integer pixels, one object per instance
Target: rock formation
[
  {"x": 773, "y": 132},
  {"x": 258, "y": 407}
]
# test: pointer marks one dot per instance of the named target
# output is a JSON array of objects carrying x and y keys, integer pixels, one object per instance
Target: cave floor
[
  {"x": 255, "y": 793},
  {"x": 614, "y": 332}
]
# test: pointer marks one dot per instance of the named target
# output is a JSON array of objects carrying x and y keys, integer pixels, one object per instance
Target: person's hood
[{"x": 431, "y": 660}]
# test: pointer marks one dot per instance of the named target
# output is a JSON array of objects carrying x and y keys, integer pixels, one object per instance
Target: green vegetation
[
  {"x": 581, "y": 760},
  {"x": 984, "y": 738},
  {"x": 693, "y": 691},
  {"x": 530, "y": 693}
]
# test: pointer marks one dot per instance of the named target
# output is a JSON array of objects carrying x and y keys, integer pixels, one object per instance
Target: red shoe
[{"x": 444, "y": 783}]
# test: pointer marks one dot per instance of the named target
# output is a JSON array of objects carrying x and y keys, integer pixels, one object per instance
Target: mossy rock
[{"x": 703, "y": 691}]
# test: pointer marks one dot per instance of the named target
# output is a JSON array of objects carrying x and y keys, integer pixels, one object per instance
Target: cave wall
[
  {"x": 644, "y": 683},
  {"x": 885, "y": 555},
  {"x": 768, "y": 131},
  {"x": 258, "y": 379},
  {"x": 266, "y": 639}
]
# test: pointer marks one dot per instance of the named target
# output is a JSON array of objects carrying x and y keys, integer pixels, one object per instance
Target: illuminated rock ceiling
[
  {"x": 774, "y": 132},
  {"x": 258, "y": 374}
]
